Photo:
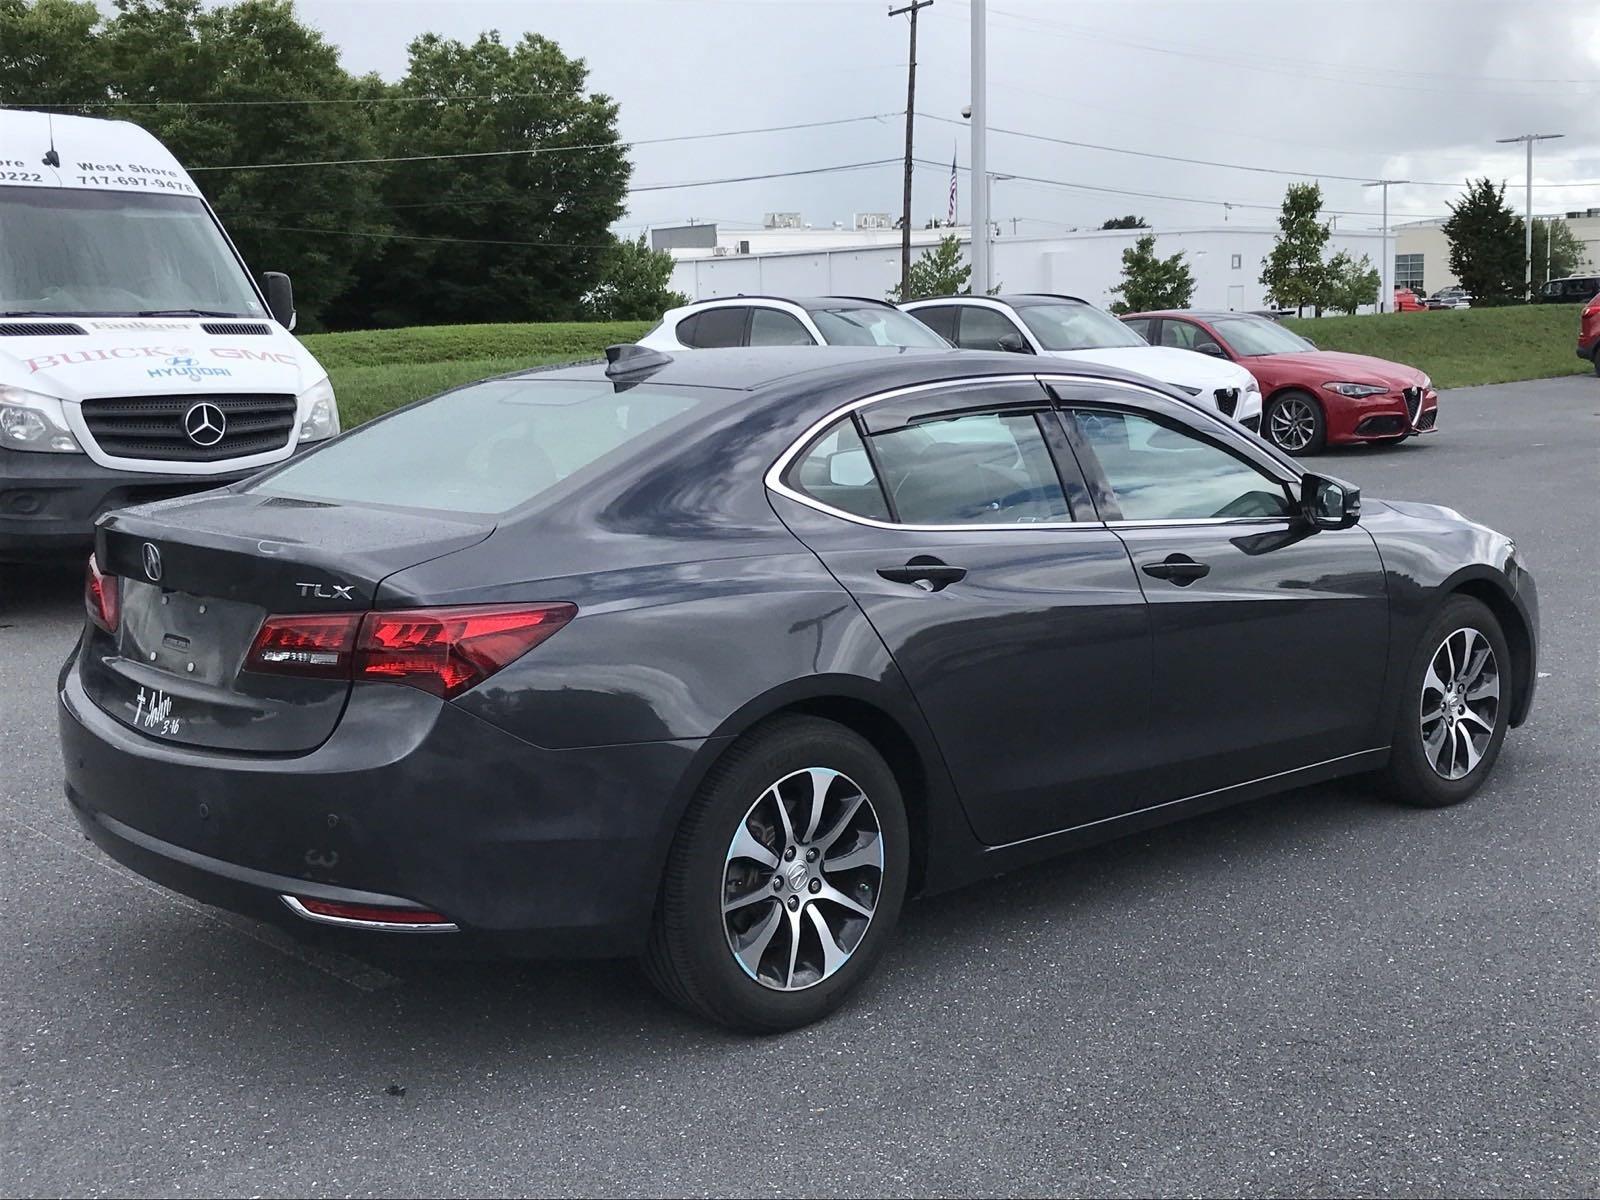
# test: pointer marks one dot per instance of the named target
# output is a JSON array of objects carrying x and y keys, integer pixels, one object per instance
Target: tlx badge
[{"x": 326, "y": 591}]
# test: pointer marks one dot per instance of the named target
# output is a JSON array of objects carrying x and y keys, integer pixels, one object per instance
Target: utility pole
[
  {"x": 980, "y": 149},
  {"x": 1386, "y": 264},
  {"x": 1527, "y": 224},
  {"x": 911, "y": 117}
]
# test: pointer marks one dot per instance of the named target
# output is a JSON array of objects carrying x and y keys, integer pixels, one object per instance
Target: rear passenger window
[
  {"x": 770, "y": 327},
  {"x": 835, "y": 470},
  {"x": 977, "y": 469},
  {"x": 942, "y": 320},
  {"x": 713, "y": 328}
]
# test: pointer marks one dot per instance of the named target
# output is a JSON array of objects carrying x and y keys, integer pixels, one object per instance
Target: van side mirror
[
  {"x": 1329, "y": 503},
  {"x": 280, "y": 297}
]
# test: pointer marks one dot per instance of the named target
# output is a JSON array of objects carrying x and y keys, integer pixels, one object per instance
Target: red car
[
  {"x": 1310, "y": 398},
  {"x": 1405, "y": 300},
  {"x": 1589, "y": 333}
]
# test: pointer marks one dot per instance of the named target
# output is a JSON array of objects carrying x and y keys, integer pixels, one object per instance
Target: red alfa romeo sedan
[{"x": 1310, "y": 398}]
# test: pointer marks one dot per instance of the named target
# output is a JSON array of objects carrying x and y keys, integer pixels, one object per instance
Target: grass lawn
[
  {"x": 376, "y": 370},
  {"x": 1462, "y": 348}
]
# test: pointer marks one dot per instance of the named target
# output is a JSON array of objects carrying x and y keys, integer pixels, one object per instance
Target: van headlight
[
  {"x": 319, "y": 412},
  {"x": 33, "y": 421}
]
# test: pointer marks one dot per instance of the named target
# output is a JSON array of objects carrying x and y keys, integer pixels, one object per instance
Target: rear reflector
[
  {"x": 370, "y": 916},
  {"x": 101, "y": 597},
  {"x": 444, "y": 651}
]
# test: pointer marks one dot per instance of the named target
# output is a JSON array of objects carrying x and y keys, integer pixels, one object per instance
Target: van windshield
[{"x": 77, "y": 252}]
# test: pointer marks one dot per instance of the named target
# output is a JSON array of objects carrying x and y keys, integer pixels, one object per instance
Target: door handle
[
  {"x": 924, "y": 571},
  {"x": 1179, "y": 569}
]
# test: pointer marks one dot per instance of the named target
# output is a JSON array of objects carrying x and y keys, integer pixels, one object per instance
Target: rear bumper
[
  {"x": 49, "y": 502},
  {"x": 528, "y": 851}
]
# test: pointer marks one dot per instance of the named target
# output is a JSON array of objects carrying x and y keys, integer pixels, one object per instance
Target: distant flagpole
[{"x": 952, "y": 220}]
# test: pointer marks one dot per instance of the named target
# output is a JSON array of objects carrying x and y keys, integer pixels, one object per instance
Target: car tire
[
  {"x": 714, "y": 898},
  {"x": 1446, "y": 702},
  {"x": 1295, "y": 423}
]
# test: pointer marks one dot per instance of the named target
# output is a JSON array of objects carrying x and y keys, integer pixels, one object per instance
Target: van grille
[
  {"x": 53, "y": 329},
  {"x": 152, "y": 427},
  {"x": 256, "y": 329}
]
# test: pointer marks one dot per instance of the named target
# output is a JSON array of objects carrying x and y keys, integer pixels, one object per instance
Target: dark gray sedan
[{"x": 715, "y": 660}]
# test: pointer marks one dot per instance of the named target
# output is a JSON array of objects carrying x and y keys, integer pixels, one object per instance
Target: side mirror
[
  {"x": 1329, "y": 503},
  {"x": 280, "y": 297},
  {"x": 1014, "y": 343},
  {"x": 849, "y": 468},
  {"x": 1210, "y": 348}
]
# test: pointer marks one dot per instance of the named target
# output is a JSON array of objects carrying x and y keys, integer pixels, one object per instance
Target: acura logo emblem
[
  {"x": 205, "y": 424},
  {"x": 152, "y": 562}
]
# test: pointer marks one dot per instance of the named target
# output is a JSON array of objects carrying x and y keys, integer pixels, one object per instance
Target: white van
[{"x": 138, "y": 358}]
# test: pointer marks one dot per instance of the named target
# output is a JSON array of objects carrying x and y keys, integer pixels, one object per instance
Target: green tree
[
  {"x": 519, "y": 234},
  {"x": 1350, "y": 284},
  {"x": 937, "y": 271},
  {"x": 634, "y": 284},
  {"x": 1486, "y": 250},
  {"x": 1294, "y": 273},
  {"x": 1128, "y": 222},
  {"x": 1150, "y": 283},
  {"x": 1557, "y": 252},
  {"x": 51, "y": 55}
]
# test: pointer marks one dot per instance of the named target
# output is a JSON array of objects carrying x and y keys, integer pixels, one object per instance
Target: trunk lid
[{"x": 197, "y": 576}]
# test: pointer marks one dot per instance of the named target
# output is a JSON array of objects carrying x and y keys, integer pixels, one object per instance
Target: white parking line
[{"x": 342, "y": 967}]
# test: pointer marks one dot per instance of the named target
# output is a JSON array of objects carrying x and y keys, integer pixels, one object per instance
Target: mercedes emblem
[{"x": 205, "y": 424}]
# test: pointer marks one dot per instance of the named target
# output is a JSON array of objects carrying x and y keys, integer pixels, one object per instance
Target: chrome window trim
[{"x": 774, "y": 476}]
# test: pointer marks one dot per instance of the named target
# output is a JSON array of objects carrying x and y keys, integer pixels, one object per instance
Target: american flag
[{"x": 952, "y": 220}]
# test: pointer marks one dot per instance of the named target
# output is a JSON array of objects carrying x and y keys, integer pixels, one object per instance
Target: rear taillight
[
  {"x": 1592, "y": 308},
  {"x": 101, "y": 597},
  {"x": 320, "y": 644},
  {"x": 444, "y": 651}
]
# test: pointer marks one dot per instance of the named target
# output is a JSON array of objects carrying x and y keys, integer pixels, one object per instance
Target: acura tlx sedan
[{"x": 714, "y": 660}]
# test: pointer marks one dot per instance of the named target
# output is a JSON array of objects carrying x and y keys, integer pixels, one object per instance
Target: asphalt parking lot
[{"x": 1315, "y": 994}]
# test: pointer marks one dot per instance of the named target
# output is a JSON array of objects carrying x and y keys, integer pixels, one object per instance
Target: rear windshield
[{"x": 489, "y": 447}]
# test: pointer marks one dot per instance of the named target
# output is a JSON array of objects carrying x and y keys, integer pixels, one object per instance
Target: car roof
[
  {"x": 809, "y": 303},
  {"x": 1200, "y": 314},
  {"x": 1014, "y": 299},
  {"x": 816, "y": 368}
]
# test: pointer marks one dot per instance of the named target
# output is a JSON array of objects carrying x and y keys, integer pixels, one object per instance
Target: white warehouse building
[{"x": 1225, "y": 261}]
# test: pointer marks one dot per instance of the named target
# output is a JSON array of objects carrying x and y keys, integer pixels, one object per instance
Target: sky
[{"x": 1403, "y": 89}]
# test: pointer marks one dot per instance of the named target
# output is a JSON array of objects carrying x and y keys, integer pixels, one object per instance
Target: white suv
[
  {"x": 1067, "y": 327},
  {"x": 792, "y": 321}
]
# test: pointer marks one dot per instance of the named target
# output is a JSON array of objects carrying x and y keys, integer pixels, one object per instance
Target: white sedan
[{"x": 1066, "y": 327}]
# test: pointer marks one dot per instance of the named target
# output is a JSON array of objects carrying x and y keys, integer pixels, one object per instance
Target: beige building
[{"x": 1422, "y": 253}]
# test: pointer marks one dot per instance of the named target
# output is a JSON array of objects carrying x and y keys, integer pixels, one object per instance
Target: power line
[
  {"x": 1089, "y": 187},
  {"x": 681, "y": 137},
  {"x": 1206, "y": 162}
]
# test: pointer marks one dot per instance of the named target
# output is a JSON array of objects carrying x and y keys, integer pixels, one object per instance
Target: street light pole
[
  {"x": 993, "y": 226},
  {"x": 1528, "y": 139},
  {"x": 1386, "y": 266},
  {"x": 980, "y": 150}
]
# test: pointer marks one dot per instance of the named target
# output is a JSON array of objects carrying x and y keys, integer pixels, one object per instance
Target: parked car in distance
[
  {"x": 1069, "y": 328},
  {"x": 1311, "y": 398},
  {"x": 1405, "y": 300},
  {"x": 1572, "y": 289},
  {"x": 787, "y": 321},
  {"x": 713, "y": 659},
  {"x": 1589, "y": 333},
  {"x": 1450, "y": 297}
]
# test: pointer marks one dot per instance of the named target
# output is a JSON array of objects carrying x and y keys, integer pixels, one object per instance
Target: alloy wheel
[
  {"x": 1460, "y": 703},
  {"x": 801, "y": 879},
  {"x": 1293, "y": 423}
]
